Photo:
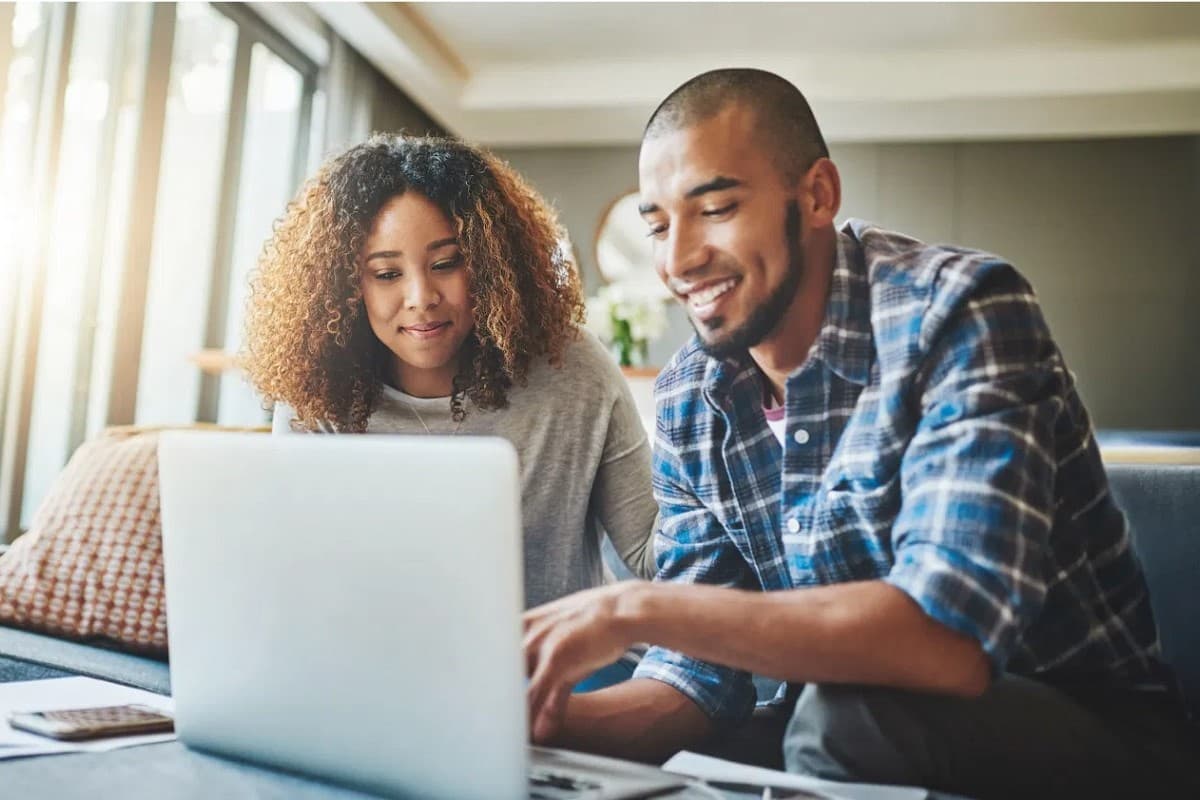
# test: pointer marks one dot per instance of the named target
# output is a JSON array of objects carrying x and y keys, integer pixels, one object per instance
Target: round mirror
[{"x": 623, "y": 248}]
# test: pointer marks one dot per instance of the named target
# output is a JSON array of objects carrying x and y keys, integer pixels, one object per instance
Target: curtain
[{"x": 362, "y": 101}]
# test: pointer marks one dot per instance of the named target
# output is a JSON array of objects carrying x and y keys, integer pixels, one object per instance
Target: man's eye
[{"x": 718, "y": 212}]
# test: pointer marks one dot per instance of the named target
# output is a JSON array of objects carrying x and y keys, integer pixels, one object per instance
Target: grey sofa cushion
[
  {"x": 28, "y": 656},
  {"x": 13, "y": 669},
  {"x": 1162, "y": 503}
]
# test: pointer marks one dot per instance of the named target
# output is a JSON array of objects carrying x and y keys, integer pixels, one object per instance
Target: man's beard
[{"x": 764, "y": 319}]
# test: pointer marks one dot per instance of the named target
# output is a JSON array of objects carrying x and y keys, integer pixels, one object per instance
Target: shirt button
[
  {"x": 801, "y": 436},
  {"x": 794, "y": 525}
]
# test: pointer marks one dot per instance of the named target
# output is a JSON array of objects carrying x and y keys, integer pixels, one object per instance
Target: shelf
[{"x": 214, "y": 362}]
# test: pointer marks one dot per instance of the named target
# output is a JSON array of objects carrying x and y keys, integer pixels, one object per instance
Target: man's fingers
[
  {"x": 534, "y": 644},
  {"x": 551, "y": 609},
  {"x": 563, "y": 641},
  {"x": 531, "y": 661},
  {"x": 553, "y": 709},
  {"x": 533, "y": 616},
  {"x": 539, "y": 689},
  {"x": 551, "y": 683}
]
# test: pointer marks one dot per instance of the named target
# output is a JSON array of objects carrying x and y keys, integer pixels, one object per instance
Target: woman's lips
[{"x": 429, "y": 330}]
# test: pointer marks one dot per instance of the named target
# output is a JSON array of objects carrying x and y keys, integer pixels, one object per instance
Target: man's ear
[{"x": 822, "y": 193}]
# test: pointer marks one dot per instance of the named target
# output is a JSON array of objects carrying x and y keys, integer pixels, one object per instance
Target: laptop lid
[{"x": 349, "y": 607}]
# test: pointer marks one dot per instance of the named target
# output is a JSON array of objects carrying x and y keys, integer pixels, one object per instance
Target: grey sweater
[{"x": 584, "y": 460}]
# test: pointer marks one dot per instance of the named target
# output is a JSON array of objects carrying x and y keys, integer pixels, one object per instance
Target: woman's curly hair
[{"x": 308, "y": 341}]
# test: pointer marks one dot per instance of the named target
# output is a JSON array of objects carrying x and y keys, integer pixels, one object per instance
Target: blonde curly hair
[{"x": 308, "y": 341}]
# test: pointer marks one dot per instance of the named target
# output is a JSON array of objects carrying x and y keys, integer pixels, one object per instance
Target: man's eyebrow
[
  {"x": 717, "y": 184},
  {"x": 429, "y": 248}
]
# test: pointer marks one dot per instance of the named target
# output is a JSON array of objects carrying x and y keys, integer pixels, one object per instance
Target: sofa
[
  {"x": 1161, "y": 500},
  {"x": 1162, "y": 503}
]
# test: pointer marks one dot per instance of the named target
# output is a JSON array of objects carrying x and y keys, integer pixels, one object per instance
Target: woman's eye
[
  {"x": 388, "y": 275},
  {"x": 656, "y": 231},
  {"x": 449, "y": 263},
  {"x": 718, "y": 212}
]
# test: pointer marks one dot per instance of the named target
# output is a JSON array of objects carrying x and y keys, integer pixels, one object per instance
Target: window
[
  {"x": 25, "y": 27},
  {"x": 108, "y": 39},
  {"x": 145, "y": 150},
  {"x": 185, "y": 220},
  {"x": 273, "y": 119}
]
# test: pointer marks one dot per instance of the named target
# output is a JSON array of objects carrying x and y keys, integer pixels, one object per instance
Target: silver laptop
[{"x": 349, "y": 607}]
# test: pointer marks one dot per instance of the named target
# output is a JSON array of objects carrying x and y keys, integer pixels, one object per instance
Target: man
[{"x": 876, "y": 482}]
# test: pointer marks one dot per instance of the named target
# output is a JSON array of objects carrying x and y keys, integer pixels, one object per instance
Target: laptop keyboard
[{"x": 548, "y": 785}]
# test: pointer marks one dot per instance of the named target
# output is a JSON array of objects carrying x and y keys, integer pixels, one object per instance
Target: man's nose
[{"x": 683, "y": 252}]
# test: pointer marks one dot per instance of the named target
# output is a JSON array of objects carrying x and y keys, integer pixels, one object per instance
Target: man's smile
[{"x": 705, "y": 300}]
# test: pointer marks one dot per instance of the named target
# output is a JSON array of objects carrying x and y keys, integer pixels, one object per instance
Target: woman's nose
[{"x": 420, "y": 293}]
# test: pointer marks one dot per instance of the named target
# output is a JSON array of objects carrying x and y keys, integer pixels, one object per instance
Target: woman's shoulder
[
  {"x": 585, "y": 363},
  {"x": 587, "y": 355},
  {"x": 587, "y": 349}
]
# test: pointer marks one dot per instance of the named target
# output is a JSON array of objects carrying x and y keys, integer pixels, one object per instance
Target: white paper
[
  {"x": 57, "y": 694},
  {"x": 716, "y": 769}
]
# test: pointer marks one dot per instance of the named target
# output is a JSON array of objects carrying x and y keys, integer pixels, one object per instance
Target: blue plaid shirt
[{"x": 934, "y": 440}]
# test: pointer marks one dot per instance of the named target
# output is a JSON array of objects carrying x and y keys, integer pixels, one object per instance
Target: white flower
[
  {"x": 648, "y": 320},
  {"x": 645, "y": 313}
]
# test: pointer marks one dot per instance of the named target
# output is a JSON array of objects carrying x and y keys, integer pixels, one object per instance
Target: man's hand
[
  {"x": 863, "y": 632},
  {"x": 565, "y": 641}
]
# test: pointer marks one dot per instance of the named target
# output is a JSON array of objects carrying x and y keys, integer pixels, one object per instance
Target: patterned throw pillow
[{"x": 90, "y": 565}]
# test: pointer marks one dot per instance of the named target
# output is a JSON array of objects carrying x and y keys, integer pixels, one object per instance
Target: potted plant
[{"x": 626, "y": 320}]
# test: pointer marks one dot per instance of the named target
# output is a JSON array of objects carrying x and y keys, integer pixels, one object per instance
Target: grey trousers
[{"x": 1021, "y": 739}]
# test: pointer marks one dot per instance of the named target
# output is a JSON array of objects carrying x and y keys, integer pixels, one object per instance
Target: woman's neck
[{"x": 418, "y": 382}]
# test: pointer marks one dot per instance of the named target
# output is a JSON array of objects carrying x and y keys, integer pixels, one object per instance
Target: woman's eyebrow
[
  {"x": 384, "y": 254},
  {"x": 434, "y": 245},
  {"x": 441, "y": 243}
]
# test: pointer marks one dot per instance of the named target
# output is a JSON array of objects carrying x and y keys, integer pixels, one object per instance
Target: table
[{"x": 171, "y": 770}]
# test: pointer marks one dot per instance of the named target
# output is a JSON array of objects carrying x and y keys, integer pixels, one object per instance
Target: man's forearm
[
  {"x": 867, "y": 632},
  {"x": 641, "y": 719}
]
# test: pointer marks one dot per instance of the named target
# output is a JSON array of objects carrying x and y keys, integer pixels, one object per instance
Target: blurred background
[{"x": 145, "y": 150}]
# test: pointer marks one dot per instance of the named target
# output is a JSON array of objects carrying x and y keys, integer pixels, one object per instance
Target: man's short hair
[{"x": 785, "y": 122}]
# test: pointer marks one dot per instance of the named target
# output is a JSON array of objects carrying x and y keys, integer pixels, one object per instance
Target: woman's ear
[{"x": 822, "y": 191}]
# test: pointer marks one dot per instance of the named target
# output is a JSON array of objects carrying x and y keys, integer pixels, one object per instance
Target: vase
[{"x": 631, "y": 352}]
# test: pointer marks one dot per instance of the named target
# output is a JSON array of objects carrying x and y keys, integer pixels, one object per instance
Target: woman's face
[{"x": 417, "y": 295}]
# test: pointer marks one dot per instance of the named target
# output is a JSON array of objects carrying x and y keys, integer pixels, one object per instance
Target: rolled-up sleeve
[
  {"x": 971, "y": 537},
  {"x": 691, "y": 546}
]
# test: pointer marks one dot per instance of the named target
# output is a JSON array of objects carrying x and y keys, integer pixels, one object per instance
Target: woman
[{"x": 417, "y": 285}]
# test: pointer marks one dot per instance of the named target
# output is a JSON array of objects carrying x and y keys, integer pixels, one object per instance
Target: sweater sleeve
[{"x": 622, "y": 495}]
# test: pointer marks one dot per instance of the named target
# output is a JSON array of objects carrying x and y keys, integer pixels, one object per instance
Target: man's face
[{"x": 726, "y": 229}]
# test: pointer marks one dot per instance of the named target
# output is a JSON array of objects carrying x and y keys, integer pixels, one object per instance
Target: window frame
[{"x": 251, "y": 31}]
